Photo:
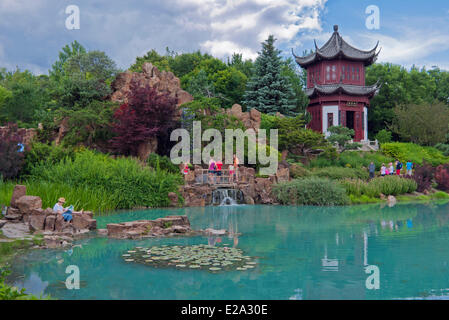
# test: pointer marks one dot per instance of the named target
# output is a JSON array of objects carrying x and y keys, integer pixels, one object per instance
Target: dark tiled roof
[
  {"x": 336, "y": 47},
  {"x": 346, "y": 88}
]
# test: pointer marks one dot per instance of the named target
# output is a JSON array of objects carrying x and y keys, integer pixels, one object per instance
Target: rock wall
[
  {"x": 27, "y": 135},
  {"x": 250, "y": 119},
  {"x": 256, "y": 190},
  {"x": 27, "y": 211}
]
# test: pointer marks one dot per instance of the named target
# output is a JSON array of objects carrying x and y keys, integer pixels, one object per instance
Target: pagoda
[{"x": 336, "y": 86}]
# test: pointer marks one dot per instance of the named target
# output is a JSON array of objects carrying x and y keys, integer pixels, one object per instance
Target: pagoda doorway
[{"x": 350, "y": 119}]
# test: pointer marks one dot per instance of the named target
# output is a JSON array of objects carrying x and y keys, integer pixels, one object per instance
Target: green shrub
[
  {"x": 41, "y": 153},
  {"x": 440, "y": 195},
  {"x": 444, "y": 148},
  {"x": 383, "y": 136},
  {"x": 362, "y": 159},
  {"x": 298, "y": 171},
  {"x": 416, "y": 153},
  {"x": 338, "y": 173},
  {"x": 162, "y": 162},
  {"x": 390, "y": 185},
  {"x": 311, "y": 191}
]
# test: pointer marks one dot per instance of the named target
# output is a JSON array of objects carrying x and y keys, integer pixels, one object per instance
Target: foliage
[
  {"x": 268, "y": 90},
  {"x": 12, "y": 293},
  {"x": 44, "y": 154},
  {"x": 311, "y": 191},
  {"x": 297, "y": 170},
  {"x": 11, "y": 158},
  {"x": 383, "y": 136},
  {"x": 22, "y": 96},
  {"x": 444, "y": 148},
  {"x": 424, "y": 124},
  {"x": 88, "y": 125},
  {"x": 124, "y": 180},
  {"x": 402, "y": 87},
  {"x": 389, "y": 185},
  {"x": 57, "y": 69},
  {"x": 148, "y": 114},
  {"x": 158, "y": 162},
  {"x": 417, "y": 154},
  {"x": 423, "y": 176},
  {"x": 442, "y": 177},
  {"x": 338, "y": 173},
  {"x": 340, "y": 135},
  {"x": 298, "y": 81}
]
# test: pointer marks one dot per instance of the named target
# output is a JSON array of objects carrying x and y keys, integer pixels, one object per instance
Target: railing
[{"x": 215, "y": 179}]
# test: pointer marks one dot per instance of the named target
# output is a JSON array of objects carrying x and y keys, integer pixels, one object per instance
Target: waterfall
[{"x": 227, "y": 197}]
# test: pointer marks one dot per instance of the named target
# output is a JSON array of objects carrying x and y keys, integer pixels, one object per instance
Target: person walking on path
[
  {"x": 372, "y": 170},
  {"x": 383, "y": 170},
  {"x": 391, "y": 168},
  {"x": 236, "y": 167},
  {"x": 398, "y": 167},
  {"x": 409, "y": 167}
]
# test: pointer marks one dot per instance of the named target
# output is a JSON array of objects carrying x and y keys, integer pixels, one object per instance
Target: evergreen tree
[{"x": 269, "y": 91}]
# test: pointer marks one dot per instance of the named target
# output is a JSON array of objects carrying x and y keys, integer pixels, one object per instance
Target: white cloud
[
  {"x": 409, "y": 46},
  {"x": 227, "y": 48}
]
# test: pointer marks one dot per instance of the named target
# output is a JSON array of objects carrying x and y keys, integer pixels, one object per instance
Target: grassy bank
[{"x": 97, "y": 182}]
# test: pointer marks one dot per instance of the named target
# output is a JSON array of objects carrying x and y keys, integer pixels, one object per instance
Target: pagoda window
[
  {"x": 334, "y": 72},
  {"x": 328, "y": 72},
  {"x": 358, "y": 74},
  {"x": 353, "y": 73}
]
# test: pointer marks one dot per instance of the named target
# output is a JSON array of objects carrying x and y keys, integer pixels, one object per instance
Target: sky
[{"x": 32, "y": 32}]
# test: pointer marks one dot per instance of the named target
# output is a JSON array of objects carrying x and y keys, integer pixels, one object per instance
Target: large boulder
[
  {"x": 19, "y": 191},
  {"x": 27, "y": 204},
  {"x": 83, "y": 221}
]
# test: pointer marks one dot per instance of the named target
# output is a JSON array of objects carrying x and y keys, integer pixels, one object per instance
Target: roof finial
[{"x": 336, "y": 28}]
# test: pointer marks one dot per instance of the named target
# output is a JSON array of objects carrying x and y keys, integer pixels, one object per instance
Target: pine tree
[{"x": 268, "y": 90}]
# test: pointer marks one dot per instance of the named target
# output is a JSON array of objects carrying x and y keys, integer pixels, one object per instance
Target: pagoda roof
[
  {"x": 350, "y": 89},
  {"x": 337, "y": 47}
]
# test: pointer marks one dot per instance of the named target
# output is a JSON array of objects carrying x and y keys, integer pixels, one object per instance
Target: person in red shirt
[{"x": 219, "y": 164}]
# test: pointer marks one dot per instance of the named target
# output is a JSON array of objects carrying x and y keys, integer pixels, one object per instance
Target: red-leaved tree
[
  {"x": 442, "y": 177},
  {"x": 11, "y": 153},
  {"x": 147, "y": 115}
]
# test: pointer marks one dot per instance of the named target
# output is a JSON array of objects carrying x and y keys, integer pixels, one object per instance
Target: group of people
[
  {"x": 391, "y": 169},
  {"x": 215, "y": 169}
]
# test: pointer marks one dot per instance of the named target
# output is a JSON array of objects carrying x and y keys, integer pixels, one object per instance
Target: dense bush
[
  {"x": 162, "y": 162},
  {"x": 128, "y": 182},
  {"x": 352, "y": 159},
  {"x": 383, "y": 136},
  {"x": 417, "y": 154},
  {"x": 11, "y": 157},
  {"x": 338, "y": 173},
  {"x": 311, "y": 191},
  {"x": 390, "y": 185},
  {"x": 444, "y": 148},
  {"x": 41, "y": 153},
  {"x": 298, "y": 171},
  {"x": 423, "y": 176},
  {"x": 442, "y": 177}
]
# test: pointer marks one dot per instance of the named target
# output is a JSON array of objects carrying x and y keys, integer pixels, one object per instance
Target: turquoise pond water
[{"x": 302, "y": 253}]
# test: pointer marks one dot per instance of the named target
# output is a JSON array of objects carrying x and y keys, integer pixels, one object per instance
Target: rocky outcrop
[
  {"x": 26, "y": 135},
  {"x": 27, "y": 215},
  {"x": 163, "y": 81},
  {"x": 257, "y": 190},
  {"x": 168, "y": 226},
  {"x": 250, "y": 119}
]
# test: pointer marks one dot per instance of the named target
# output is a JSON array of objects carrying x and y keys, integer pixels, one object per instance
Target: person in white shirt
[{"x": 383, "y": 170}]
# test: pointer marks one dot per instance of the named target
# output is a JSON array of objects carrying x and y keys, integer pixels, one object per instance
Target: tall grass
[
  {"x": 390, "y": 185},
  {"x": 338, "y": 173},
  {"x": 311, "y": 191}
]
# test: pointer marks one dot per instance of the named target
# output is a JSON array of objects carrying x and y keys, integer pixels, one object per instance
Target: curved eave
[{"x": 351, "y": 90}]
